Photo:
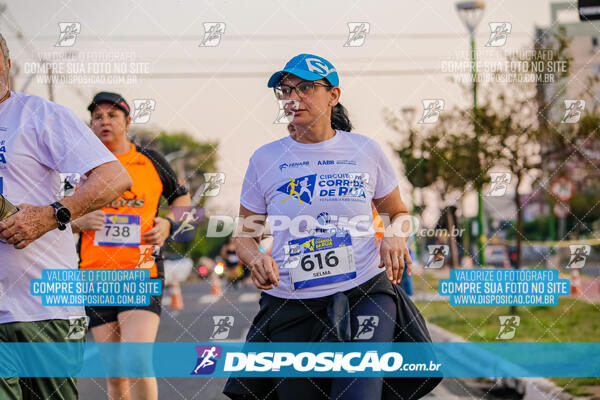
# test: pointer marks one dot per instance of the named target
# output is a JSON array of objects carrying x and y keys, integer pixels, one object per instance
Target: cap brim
[
  {"x": 93, "y": 105},
  {"x": 300, "y": 73}
]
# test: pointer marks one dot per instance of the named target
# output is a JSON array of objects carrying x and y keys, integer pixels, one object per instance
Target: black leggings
[{"x": 379, "y": 305}]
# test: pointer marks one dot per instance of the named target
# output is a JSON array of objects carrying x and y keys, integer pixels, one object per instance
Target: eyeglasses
[{"x": 303, "y": 89}]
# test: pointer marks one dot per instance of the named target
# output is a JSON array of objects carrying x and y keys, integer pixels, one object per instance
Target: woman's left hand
[
  {"x": 394, "y": 254},
  {"x": 159, "y": 233}
]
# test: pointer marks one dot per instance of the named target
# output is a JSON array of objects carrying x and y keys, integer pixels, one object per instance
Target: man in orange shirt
[{"x": 126, "y": 233}]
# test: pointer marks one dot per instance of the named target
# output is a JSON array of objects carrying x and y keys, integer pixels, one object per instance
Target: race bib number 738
[{"x": 119, "y": 230}]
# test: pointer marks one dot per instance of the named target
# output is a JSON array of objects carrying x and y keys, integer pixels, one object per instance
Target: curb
[{"x": 529, "y": 388}]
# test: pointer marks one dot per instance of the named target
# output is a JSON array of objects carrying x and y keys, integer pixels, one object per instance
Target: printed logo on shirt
[
  {"x": 343, "y": 186},
  {"x": 207, "y": 359},
  {"x": 325, "y": 162},
  {"x": 127, "y": 199},
  {"x": 324, "y": 218},
  {"x": 301, "y": 188},
  {"x": 1, "y": 186},
  {"x": 294, "y": 165},
  {"x": 327, "y": 224},
  {"x": 137, "y": 163},
  {"x": 2, "y": 154},
  {"x": 345, "y": 162},
  {"x": 309, "y": 244}
]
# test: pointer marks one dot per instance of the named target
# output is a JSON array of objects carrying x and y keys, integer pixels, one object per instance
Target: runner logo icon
[
  {"x": 499, "y": 32},
  {"x": 573, "y": 111},
  {"x": 437, "y": 255},
  {"x": 223, "y": 324},
  {"x": 366, "y": 326},
  {"x": 78, "y": 327},
  {"x": 207, "y": 359},
  {"x": 187, "y": 219},
  {"x": 508, "y": 326},
  {"x": 68, "y": 33},
  {"x": 499, "y": 182},
  {"x": 432, "y": 109},
  {"x": 579, "y": 254},
  {"x": 301, "y": 188},
  {"x": 358, "y": 32},
  {"x": 68, "y": 183}
]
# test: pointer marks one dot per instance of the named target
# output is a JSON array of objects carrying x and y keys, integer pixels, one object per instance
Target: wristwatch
[{"x": 62, "y": 215}]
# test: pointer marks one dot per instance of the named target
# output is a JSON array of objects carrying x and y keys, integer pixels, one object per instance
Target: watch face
[{"x": 63, "y": 215}]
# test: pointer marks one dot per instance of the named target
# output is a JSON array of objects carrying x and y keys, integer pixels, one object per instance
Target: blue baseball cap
[{"x": 308, "y": 67}]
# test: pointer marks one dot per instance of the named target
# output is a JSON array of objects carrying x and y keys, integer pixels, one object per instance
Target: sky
[{"x": 219, "y": 93}]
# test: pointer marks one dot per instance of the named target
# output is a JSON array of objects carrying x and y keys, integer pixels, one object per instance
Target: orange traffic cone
[
  {"x": 215, "y": 284},
  {"x": 176, "y": 298},
  {"x": 575, "y": 283}
]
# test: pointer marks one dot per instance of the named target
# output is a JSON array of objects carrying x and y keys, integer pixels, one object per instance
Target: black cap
[{"x": 111, "y": 98}]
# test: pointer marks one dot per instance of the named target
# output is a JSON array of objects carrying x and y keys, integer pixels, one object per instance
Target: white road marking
[
  {"x": 251, "y": 297},
  {"x": 209, "y": 299}
]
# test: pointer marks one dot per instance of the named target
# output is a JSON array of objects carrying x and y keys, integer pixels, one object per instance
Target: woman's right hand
[
  {"x": 93, "y": 221},
  {"x": 265, "y": 272}
]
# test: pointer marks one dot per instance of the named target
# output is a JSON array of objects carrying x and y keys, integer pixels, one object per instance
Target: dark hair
[{"x": 340, "y": 119}]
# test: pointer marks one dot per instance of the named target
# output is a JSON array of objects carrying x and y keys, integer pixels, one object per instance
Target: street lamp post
[{"x": 470, "y": 12}]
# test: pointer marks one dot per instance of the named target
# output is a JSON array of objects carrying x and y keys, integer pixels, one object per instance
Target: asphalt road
[{"x": 195, "y": 324}]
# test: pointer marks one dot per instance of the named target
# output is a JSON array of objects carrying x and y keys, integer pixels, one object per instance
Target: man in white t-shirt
[{"x": 39, "y": 141}]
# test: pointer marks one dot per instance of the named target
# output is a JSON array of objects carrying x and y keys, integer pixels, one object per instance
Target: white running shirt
[
  {"x": 38, "y": 141},
  {"x": 322, "y": 193}
]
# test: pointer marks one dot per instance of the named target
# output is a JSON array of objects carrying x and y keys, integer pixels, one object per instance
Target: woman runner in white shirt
[{"x": 317, "y": 186}]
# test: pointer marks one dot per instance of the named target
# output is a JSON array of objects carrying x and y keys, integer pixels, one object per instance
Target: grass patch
[
  {"x": 571, "y": 321},
  {"x": 579, "y": 386},
  {"x": 425, "y": 283}
]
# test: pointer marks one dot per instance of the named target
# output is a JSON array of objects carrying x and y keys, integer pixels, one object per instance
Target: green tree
[{"x": 190, "y": 159}]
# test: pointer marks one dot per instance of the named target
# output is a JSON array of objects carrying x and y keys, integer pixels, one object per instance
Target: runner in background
[
  {"x": 133, "y": 244},
  {"x": 233, "y": 269}
]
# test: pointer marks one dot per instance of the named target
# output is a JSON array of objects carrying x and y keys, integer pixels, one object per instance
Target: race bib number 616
[{"x": 320, "y": 260}]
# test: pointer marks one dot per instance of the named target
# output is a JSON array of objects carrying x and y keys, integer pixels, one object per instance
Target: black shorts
[
  {"x": 331, "y": 319},
  {"x": 100, "y": 315}
]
